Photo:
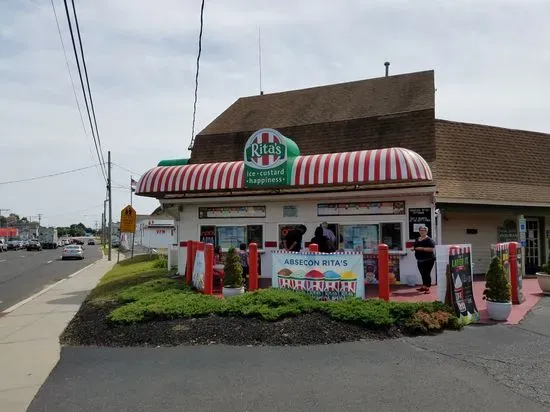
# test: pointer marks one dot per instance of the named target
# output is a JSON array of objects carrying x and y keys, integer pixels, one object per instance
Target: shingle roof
[
  {"x": 331, "y": 103},
  {"x": 491, "y": 163}
]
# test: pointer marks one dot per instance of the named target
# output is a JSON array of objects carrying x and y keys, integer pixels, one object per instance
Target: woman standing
[{"x": 424, "y": 248}]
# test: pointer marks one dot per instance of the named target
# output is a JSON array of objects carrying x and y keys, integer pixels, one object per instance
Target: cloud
[{"x": 490, "y": 58}]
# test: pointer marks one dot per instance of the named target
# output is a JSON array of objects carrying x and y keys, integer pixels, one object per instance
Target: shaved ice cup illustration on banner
[
  {"x": 315, "y": 282},
  {"x": 348, "y": 285},
  {"x": 332, "y": 285},
  {"x": 284, "y": 280},
  {"x": 298, "y": 280}
]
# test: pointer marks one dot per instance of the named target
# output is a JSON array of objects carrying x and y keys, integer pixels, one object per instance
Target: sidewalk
[{"x": 29, "y": 336}]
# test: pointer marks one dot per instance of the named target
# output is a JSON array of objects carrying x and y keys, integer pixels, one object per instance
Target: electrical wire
[
  {"x": 125, "y": 169},
  {"x": 100, "y": 156},
  {"x": 87, "y": 137},
  {"x": 197, "y": 78},
  {"x": 87, "y": 80},
  {"x": 50, "y": 175}
]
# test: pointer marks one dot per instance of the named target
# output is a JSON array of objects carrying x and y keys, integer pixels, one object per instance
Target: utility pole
[
  {"x": 104, "y": 234},
  {"x": 39, "y": 219},
  {"x": 103, "y": 228},
  {"x": 110, "y": 234}
]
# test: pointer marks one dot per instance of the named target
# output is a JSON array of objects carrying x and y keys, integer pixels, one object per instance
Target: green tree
[
  {"x": 233, "y": 271},
  {"x": 3, "y": 221},
  {"x": 497, "y": 288}
]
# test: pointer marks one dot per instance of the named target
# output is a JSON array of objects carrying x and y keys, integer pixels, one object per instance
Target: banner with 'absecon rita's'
[{"x": 326, "y": 276}]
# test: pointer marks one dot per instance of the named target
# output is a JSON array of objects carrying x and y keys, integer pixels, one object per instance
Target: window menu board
[{"x": 420, "y": 216}]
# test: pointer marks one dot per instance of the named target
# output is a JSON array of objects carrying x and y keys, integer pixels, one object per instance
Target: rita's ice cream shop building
[{"x": 367, "y": 197}]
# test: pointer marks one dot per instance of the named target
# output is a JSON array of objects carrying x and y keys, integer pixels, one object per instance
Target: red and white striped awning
[{"x": 361, "y": 167}]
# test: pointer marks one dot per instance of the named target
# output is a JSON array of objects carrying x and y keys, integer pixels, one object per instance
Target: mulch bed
[{"x": 90, "y": 327}]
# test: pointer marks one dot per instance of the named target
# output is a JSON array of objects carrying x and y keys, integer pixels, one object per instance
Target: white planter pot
[
  {"x": 544, "y": 282},
  {"x": 499, "y": 310},
  {"x": 228, "y": 292}
]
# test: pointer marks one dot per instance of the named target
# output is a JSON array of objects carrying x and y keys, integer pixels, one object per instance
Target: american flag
[{"x": 133, "y": 184}]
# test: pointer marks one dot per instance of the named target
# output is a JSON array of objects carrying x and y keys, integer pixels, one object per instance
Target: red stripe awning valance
[{"x": 361, "y": 167}]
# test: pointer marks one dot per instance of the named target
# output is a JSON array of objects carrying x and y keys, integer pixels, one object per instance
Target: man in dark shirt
[{"x": 293, "y": 239}]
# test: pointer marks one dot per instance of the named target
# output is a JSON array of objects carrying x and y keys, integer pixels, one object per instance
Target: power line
[
  {"x": 125, "y": 169},
  {"x": 72, "y": 83},
  {"x": 50, "y": 175},
  {"x": 87, "y": 80},
  {"x": 100, "y": 157},
  {"x": 197, "y": 79}
]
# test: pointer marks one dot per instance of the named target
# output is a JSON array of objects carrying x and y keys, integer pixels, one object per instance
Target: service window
[
  {"x": 255, "y": 234},
  {"x": 359, "y": 237},
  {"x": 391, "y": 235},
  {"x": 232, "y": 236}
]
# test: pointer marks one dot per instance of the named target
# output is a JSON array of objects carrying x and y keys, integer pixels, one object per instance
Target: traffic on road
[{"x": 26, "y": 271}]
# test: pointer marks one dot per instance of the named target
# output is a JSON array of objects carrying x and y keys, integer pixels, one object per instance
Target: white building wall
[{"x": 189, "y": 225}]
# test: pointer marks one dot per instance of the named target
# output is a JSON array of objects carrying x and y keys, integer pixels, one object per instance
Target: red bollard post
[
  {"x": 189, "y": 266},
  {"x": 314, "y": 248},
  {"x": 517, "y": 295},
  {"x": 208, "y": 268},
  {"x": 252, "y": 267},
  {"x": 383, "y": 272}
]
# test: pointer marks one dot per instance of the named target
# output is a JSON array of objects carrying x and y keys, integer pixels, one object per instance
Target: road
[
  {"x": 24, "y": 273},
  {"x": 483, "y": 368}
]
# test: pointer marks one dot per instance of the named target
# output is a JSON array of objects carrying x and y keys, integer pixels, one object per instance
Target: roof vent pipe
[{"x": 387, "y": 64}]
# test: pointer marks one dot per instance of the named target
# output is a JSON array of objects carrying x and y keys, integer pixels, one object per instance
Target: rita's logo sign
[
  {"x": 265, "y": 149},
  {"x": 268, "y": 157}
]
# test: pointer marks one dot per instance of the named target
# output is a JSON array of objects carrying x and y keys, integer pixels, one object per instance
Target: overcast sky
[{"x": 491, "y": 62}]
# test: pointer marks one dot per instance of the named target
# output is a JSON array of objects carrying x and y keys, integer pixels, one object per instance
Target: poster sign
[
  {"x": 370, "y": 263},
  {"x": 363, "y": 208},
  {"x": 514, "y": 271},
  {"x": 441, "y": 265},
  {"x": 461, "y": 284},
  {"x": 420, "y": 216},
  {"x": 231, "y": 212},
  {"x": 326, "y": 276},
  {"x": 198, "y": 270}
]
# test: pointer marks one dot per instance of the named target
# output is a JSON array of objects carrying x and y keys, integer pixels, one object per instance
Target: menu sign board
[
  {"x": 420, "y": 216},
  {"x": 461, "y": 284},
  {"x": 231, "y": 212},
  {"x": 363, "y": 208}
]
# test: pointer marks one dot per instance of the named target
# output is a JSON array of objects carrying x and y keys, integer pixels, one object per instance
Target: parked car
[
  {"x": 3, "y": 245},
  {"x": 14, "y": 245},
  {"x": 34, "y": 245},
  {"x": 72, "y": 252},
  {"x": 91, "y": 242}
]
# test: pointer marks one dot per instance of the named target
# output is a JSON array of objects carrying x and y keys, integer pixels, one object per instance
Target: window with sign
[
  {"x": 366, "y": 237},
  {"x": 232, "y": 236}
]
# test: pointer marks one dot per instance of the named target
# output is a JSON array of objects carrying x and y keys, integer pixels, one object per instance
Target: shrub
[
  {"x": 271, "y": 304},
  {"x": 161, "y": 262},
  {"x": 497, "y": 288},
  {"x": 425, "y": 322},
  {"x": 233, "y": 271},
  {"x": 371, "y": 312},
  {"x": 546, "y": 268},
  {"x": 169, "y": 304}
]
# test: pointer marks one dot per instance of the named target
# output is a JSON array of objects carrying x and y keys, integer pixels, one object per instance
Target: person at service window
[
  {"x": 325, "y": 245},
  {"x": 293, "y": 239},
  {"x": 424, "y": 248}
]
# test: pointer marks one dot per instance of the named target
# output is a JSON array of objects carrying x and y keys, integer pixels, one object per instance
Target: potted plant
[
  {"x": 544, "y": 279},
  {"x": 233, "y": 275},
  {"x": 497, "y": 291}
]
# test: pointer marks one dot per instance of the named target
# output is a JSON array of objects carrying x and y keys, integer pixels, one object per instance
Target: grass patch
[
  {"x": 125, "y": 274},
  {"x": 140, "y": 285}
]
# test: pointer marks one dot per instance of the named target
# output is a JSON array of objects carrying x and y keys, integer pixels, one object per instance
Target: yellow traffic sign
[{"x": 128, "y": 220}]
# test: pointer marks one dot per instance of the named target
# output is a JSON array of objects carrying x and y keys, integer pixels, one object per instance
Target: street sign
[{"x": 128, "y": 220}]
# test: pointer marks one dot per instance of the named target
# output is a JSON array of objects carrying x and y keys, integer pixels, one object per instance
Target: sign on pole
[{"x": 128, "y": 220}]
